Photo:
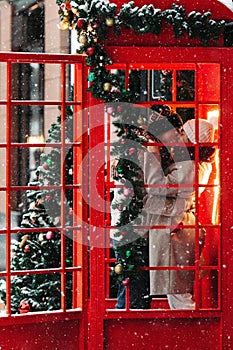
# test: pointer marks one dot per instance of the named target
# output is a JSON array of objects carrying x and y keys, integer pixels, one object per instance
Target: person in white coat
[
  {"x": 170, "y": 207},
  {"x": 139, "y": 286}
]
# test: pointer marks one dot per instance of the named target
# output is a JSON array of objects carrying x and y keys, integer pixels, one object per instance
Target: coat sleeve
[
  {"x": 170, "y": 193},
  {"x": 178, "y": 179}
]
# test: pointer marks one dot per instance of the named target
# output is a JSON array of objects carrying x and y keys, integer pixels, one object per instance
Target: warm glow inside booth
[
  {"x": 200, "y": 100},
  {"x": 68, "y": 299},
  {"x": 204, "y": 103}
]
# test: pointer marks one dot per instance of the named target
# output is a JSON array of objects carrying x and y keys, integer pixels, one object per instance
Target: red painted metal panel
[
  {"x": 226, "y": 198},
  {"x": 27, "y": 57},
  {"x": 163, "y": 334},
  {"x": 97, "y": 231},
  {"x": 209, "y": 83},
  {"x": 37, "y": 336},
  {"x": 8, "y": 185}
]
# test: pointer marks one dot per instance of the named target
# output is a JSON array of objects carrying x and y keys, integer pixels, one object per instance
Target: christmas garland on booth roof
[{"x": 92, "y": 19}]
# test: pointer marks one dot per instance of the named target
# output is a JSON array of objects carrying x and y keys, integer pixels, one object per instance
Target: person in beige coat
[{"x": 170, "y": 207}]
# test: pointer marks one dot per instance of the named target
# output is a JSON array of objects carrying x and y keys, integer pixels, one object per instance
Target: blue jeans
[
  {"x": 139, "y": 296},
  {"x": 139, "y": 287}
]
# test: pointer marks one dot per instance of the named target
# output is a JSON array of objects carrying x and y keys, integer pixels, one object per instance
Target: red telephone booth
[
  {"x": 198, "y": 83},
  {"x": 143, "y": 57}
]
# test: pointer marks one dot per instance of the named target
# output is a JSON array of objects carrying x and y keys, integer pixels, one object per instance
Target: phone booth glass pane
[
  {"x": 40, "y": 240},
  {"x": 192, "y": 91}
]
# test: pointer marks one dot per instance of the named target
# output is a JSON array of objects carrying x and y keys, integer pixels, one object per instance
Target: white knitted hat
[{"x": 206, "y": 130}]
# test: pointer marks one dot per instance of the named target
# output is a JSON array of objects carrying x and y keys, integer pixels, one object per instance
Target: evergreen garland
[
  {"x": 92, "y": 19},
  {"x": 127, "y": 121}
]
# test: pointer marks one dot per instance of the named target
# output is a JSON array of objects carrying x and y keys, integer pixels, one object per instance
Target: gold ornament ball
[
  {"x": 109, "y": 22},
  {"x": 64, "y": 25},
  {"x": 118, "y": 269},
  {"x": 74, "y": 10},
  {"x": 107, "y": 87},
  {"x": 82, "y": 39}
]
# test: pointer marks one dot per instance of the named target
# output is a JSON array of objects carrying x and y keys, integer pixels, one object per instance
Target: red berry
[
  {"x": 24, "y": 307},
  {"x": 110, "y": 110},
  {"x": 49, "y": 235},
  {"x": 81, "y": 23},
  {"x": 95, "y": 25},
  {"x": 127, "y": 192},
  {"x": 23, "y": 311},
  {"x": 45, "y": 166},
  {"x": 126, "y": 281},
  {"x": 68, "y": 5},
  {"x": 132, "y": 151},
  {"x": 26, "y": 249},
  {"x": 91, "y": 50}
]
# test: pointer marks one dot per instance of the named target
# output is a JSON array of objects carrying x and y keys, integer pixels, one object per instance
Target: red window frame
[
  {"x": 78, "y": 291},
  {"x": 203, "y": 102}
]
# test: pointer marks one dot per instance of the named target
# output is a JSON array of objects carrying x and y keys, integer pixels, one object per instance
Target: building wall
[
  {"x": 56, "y": 41},
  {"x": 5, "y": 27}
]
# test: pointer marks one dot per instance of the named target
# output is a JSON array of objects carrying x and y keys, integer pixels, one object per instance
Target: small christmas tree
[
  {"x": 40, "y": 247},
  {"x": 129, "y": 252}
]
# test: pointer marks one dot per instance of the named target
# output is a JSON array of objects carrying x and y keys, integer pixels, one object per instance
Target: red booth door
[{"x": 161, "y": 328}]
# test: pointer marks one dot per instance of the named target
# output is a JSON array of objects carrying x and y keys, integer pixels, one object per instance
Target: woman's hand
[{"x": 154, "y": 148}]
